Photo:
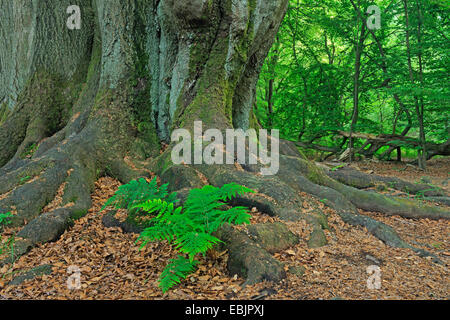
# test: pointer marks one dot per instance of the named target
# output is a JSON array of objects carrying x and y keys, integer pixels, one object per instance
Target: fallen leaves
[
  {"x": 113, "y": 267},
  {"x": 290, "y": 252}
]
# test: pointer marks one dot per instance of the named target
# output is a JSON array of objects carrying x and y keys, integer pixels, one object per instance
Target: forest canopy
[{"x": 330, "y": 74}]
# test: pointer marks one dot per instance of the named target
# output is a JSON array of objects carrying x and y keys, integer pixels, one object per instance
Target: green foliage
[
  {"x": 29, "y": 151},
  {"x": 190, "y": 228},
  {"x": 6, "y": 246},
  {"x": 24, "y": 180},
  {"x": 175, "y": 271},
  {"x": 421, "y": 194},
  {"x": 307, "y": 83},
  {"x": 337, "y": 167},
  {"x": 137, "y": 192},
  {"x": 4, "y": 218}
]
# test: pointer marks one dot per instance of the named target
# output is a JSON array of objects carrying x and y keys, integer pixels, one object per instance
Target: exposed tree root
[
  {"x": 248, "y": 259},
  {"x": 368, "y": 201},
  {"x": 273, "y": 237},
  {"x": 74, "y": 157},
  {"x": 279, "y": 196},
  {"x": 361, "y": 180},
  {"x": 374, "y": 143},
  {"x": 275, "y": 195},
  {"x": 443, "y": 200}
]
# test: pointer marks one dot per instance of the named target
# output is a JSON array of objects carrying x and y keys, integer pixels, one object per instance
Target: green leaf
[
  {"x": 175, "y": 271},
  {"x": 190, "y": 227},
  {"x": 193, "y": 243},
  {"x": 4, "y": 218}
]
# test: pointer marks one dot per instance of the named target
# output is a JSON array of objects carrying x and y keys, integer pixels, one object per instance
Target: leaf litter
[{"x": 113, "y": 267}]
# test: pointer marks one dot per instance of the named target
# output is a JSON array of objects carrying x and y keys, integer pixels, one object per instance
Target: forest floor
[{"x": 113, "y": 267}]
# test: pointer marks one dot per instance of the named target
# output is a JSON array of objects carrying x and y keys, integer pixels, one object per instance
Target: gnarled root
[
  {"x": 361, "y": 180},
  {"x": 249, "y": 260}
]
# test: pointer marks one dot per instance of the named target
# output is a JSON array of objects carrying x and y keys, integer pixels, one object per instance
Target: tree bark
[{"x": 359, "y": 48}]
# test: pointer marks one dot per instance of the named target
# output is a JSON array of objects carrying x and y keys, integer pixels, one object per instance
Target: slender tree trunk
[
  {"x": 270, "y": 85},
  {"x": 356, "y": 85},
  {"x": 418, "y": 107},
  {"x": 420, "y": 111},
  {"x": 270, "y": 102}
]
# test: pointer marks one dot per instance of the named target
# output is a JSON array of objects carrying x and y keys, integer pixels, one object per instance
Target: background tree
[{"x": 323, "y": 46}]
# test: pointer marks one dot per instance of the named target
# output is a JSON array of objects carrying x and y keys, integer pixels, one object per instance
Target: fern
[
  {"x": 190, "y": 228},
  {"x": 175, "y": 271},
  {"x": 136, "y": 192},
  {"x": 232, "y": 190},
  {"x": 4, "y": 218},
  {"x": 157, "y": 205},
  {"x": 8, "y": 244},
  {"x": 193, "y": 243}
]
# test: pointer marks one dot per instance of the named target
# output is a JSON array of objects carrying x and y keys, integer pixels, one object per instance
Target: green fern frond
[
  {"x": 232, "y": 190},
  {"x": 190, "y": 227},
  {"x": 177, "y": 270},
  {"x": 4, "y": 218},
  {"x": 158, "y": 232},
  {"x": 235, "y": 216},
  {"x": 193, "y": 243},
  {"x": 138, "y": 191}
]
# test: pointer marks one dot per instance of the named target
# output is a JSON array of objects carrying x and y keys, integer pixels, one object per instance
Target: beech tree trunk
[{"x": 103, "y": 99}]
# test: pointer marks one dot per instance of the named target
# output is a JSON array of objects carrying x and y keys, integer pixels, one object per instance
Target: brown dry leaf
[
  {"x": 204, "y": 278},
  {"x": 217, "y": 288},
  {"x": 290, "y": 252}
]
